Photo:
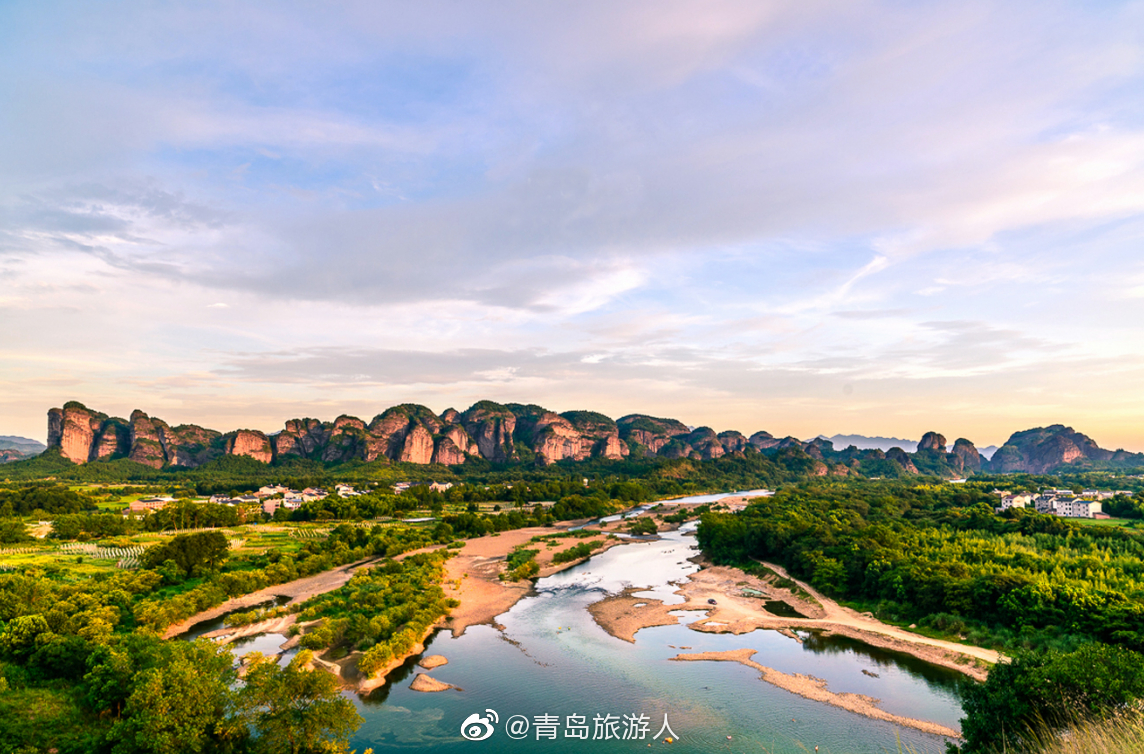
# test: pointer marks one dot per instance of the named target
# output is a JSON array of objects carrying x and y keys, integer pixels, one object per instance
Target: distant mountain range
[
  {"x": 862, "y": 442},
  {"x": 514, "y": 432},
  {"x": 18, "y": 448}
]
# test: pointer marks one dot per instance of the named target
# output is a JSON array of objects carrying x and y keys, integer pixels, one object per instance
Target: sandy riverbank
[
  {"x": 472, "y": 576},
  {"x": 623, "y": 615},
  {"x": 815, "y": 688}
]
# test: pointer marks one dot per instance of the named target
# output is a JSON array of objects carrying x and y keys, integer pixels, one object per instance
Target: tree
[
  {"x": 1048, "y": 690},
  {"x": 642, "y": 525},
  {"x": 296, "y": 710},
  {"x": 19, "y": 638},
  {"x": 190, "y": 551},
  {"x": 12, "y": 531},
  {"x": 183, "y": 705}
]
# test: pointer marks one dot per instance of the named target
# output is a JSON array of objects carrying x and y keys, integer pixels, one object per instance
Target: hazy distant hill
[
  {"x": 18, "y": 448},
  {"x": 863, "y": 442},
  {"x": 28, "y": 446}
]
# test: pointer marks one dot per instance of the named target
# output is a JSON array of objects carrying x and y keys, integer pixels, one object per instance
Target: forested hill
[
  {"x": 939, "y": 556},
  {"x": 1065, "y": 601}
]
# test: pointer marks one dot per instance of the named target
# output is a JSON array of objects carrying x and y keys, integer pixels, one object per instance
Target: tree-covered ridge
[{"x": 939, "y": 556}]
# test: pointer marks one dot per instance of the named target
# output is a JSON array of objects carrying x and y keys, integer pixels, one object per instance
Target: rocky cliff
[
  {"x": 931, "y": 456},
  {"x": 74, "y": 429},
  {"x": 900, "y": 457},
  {"x": 970, "y": 460},
  {"x": 250, "y": 443},
  {"x": 669, "y": 438},
  {"x": 647, "y": 435},
  {"x": 499, "y": 433},
  {"x": 407, "y": 433},
  {"x": 491, "y": 426}
]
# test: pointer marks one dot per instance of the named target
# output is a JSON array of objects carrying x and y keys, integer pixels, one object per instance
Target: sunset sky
[{"x": 803, "y": 217}]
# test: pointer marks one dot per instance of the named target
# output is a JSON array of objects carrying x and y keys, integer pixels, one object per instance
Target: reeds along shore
[{"x": 1120, "y": 733}]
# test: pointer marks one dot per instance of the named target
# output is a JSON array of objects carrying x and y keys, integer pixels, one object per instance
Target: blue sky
[{"x": 858, "y": 217}]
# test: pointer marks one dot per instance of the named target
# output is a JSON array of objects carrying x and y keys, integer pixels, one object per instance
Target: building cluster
[
  {"x": 270, "y": 497},
  {"x": 433, "y": 486},
  {"x": 148, "y": 504},
  {"x": 1064, "y": 503}
]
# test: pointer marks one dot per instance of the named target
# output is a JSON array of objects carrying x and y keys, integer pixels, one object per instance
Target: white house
[
  {"x": 1077, "y": 507},
  {"x": 1020, "y": 500}
]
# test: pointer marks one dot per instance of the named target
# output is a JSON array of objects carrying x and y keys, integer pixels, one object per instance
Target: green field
[{"x": 1128, "y": 524}]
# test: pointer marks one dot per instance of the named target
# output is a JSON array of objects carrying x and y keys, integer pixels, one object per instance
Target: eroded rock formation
[{"x": 527, "y": 433}]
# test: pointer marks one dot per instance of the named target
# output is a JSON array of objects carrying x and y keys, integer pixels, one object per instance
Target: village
[
  {"x": 1060, "y": 502},
  {"x": 273, "y": 497}
]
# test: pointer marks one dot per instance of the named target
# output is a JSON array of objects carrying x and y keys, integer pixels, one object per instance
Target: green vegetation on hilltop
[{"x": 661, "y": 477}]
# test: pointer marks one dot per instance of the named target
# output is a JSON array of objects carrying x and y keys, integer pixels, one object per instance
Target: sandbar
[
  {"x": 427, "y": 684},
  {"x": 815, "y": 688},
  {"x": 737, "y": 614}
]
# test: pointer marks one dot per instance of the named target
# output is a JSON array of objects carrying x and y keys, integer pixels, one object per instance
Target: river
[{"x": 552, "y": 659}]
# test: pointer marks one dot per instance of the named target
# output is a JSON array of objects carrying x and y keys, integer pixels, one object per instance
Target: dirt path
[
  {"x": 844, "y": 616},
  {"x": 298, "y": 591}
]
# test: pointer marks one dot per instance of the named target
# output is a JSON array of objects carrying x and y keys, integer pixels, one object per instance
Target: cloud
[{"x": 708, "y": 206}]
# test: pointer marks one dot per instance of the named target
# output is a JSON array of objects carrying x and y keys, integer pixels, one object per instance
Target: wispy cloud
[{"x": 698, "y": 208}]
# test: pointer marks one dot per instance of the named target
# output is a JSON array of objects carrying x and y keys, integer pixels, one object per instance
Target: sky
[{"x": 804, "y": 217}]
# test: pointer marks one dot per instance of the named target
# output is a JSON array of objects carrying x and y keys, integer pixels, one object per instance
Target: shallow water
[
  {"x": 214, "y": 624},
  {"x": 552, "y": 659}
]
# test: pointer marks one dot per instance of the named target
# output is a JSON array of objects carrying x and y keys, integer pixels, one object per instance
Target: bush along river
[{"x": 551, "y": 680}]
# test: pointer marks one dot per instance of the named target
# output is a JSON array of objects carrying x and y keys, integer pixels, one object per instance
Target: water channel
[{"x": 552, "y": 659}]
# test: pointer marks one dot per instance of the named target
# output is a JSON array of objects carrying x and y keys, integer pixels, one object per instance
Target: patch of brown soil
[
  {"x": 620, "y": 616},
  {"x": 424, "y": 683}
]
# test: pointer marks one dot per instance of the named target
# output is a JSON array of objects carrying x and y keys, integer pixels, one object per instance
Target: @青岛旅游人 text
[{"x": 600, "y": 727}]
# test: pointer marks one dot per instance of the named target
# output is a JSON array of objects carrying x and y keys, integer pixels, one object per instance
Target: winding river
[{"x": 552, "y": 659}]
